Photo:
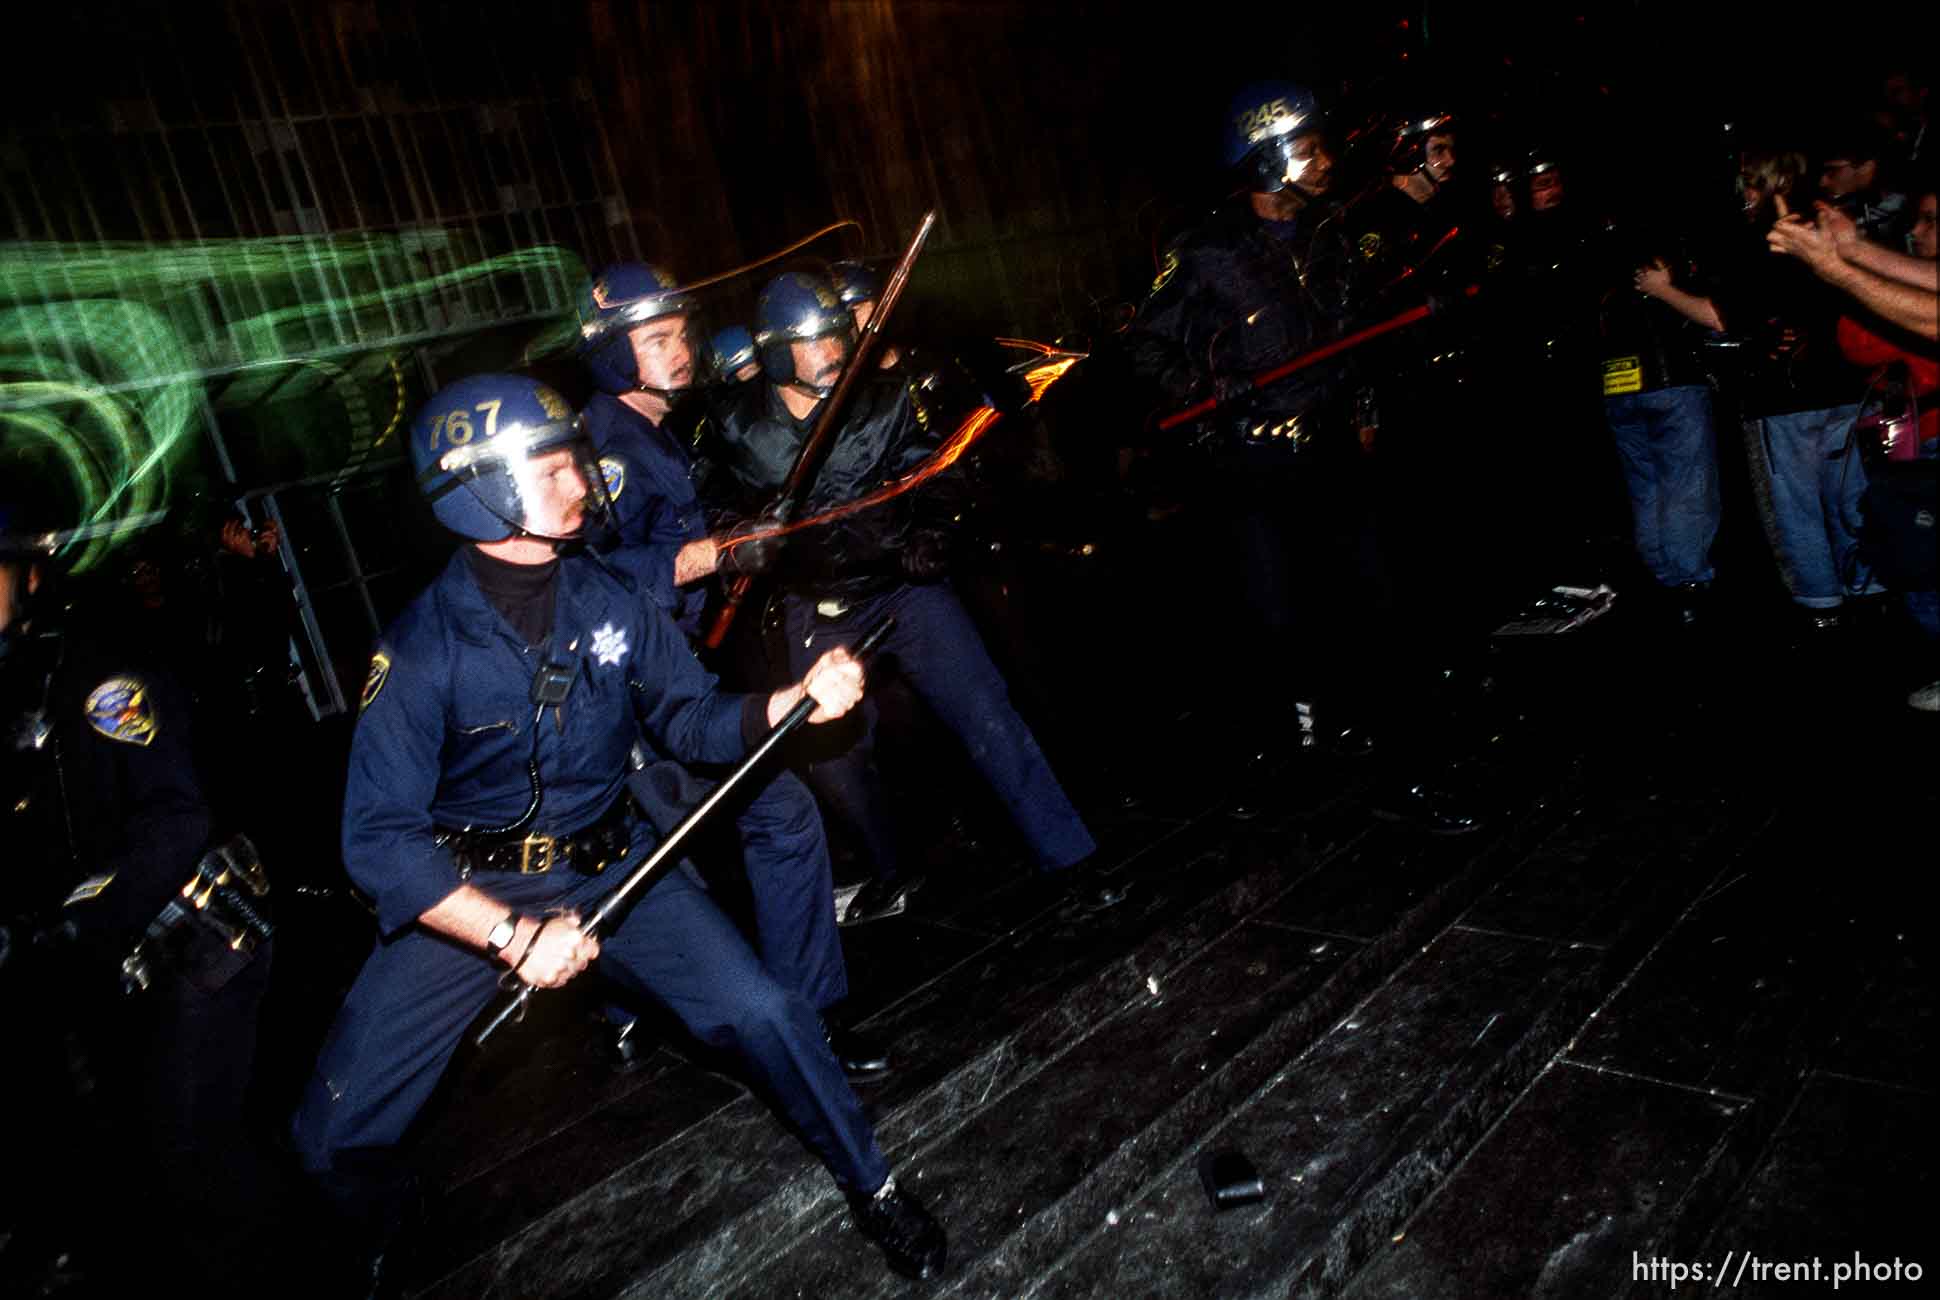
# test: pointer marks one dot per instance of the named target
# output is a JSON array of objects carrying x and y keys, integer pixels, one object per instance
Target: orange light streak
[{"x": 974, "y": 426}]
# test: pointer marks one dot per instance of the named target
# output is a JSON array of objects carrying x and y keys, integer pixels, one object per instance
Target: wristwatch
[{"x": 502, "y": 934}]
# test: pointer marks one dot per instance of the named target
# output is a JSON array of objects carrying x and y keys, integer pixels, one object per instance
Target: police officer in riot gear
[
  {"x": 1412, "y": 242},
  {"x": 132, "y": 967},
  {"x": 857, "y": 287},
  {"x": 637, "y": 340},
  {"x": 479, "y": 825},
  {"x": 891, "y": 559},
  {"x": 731, "y": 352},
  {"x": 1407, "y": 226},
  {"x": 1561, "y": 469},
  {"x": 1266, "y": 277},
  {"x": 1255, "y": 284}
]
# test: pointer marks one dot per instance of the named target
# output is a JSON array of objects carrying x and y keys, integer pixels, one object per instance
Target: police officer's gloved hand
[
  {"x": 926, "y": 555},
  {"x": 747, "y": 550}
]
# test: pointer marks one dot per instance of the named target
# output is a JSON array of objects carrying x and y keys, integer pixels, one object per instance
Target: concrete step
[
  {"x": 715, "y": 1199},
  {"x": 1355, "y": 1131},
  {"x": 1627, "y": 1145},
  {"x": 1197, "y": 1034}
]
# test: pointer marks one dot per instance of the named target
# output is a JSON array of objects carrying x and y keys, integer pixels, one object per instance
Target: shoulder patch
[
  {"x": 613, "y": 470},
  {"x": 119, "y": 709},
  {"x": 380, "y": 672},
  {"x": 1166, "y": 270}
]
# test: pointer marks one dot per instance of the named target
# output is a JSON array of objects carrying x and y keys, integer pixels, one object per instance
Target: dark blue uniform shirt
[
  {"x": 657, "y": 509},
  {"x": 447, "y": 724}
]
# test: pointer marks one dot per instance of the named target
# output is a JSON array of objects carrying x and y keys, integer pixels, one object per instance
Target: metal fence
[{"x": 242, "y": 244}]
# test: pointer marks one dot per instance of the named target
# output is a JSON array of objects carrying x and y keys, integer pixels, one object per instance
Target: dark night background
[{"x": 1056, "y": 139}]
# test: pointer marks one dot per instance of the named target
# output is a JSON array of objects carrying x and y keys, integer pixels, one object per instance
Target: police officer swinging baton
[
  {"x": 820, "y": 437},
  {"x": 663, "y": 859}
]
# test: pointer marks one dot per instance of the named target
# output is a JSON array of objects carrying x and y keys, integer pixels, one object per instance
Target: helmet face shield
[
  {"x": 535, "y": 482},
  {"x": 499, "y": 455},
  {"x": 730, "y": 351},
  {"x": 855, "y": 283},
  {"x": 796, "y": 309},
  {"x": 1278, "y": 164}
]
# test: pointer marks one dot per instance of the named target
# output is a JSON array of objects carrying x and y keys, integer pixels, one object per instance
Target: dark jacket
[
  {"x": 447, "y": 724},
  {"x": 1236, "y": 296},
  {"x": 1397, "y": 240},
  {"x": 113, "y": 808},
  {"x": 1788, "y": 320},
  {"x": 652, "y": 477},
  {"x": 1646, "y": 345},
  {"x": 883, "y": 436}
]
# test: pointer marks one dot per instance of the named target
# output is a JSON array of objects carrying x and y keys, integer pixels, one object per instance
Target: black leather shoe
[
  {"x": 910, "y": 1238},
  {"x": 860, "y": 1056},
  {"x": 1439, "y": 812},
  {"x": 880, "y": 898}
]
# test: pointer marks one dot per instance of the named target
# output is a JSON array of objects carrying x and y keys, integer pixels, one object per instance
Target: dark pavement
[{"x": 1673, "y": 1003}]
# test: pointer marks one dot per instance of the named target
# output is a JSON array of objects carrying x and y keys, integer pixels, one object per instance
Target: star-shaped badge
[{"x": 609, "y": 644}]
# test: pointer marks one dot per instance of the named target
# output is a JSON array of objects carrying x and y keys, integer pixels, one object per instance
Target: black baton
[{"x": 663, "y": 859}]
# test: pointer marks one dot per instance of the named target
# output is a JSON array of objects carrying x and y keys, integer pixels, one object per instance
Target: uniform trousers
[
  {"x": 418, "y": 992},
  {"x": 935, "y": 647}
]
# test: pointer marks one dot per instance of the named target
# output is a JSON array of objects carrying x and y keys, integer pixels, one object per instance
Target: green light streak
[{"x": 105, "y": 349}]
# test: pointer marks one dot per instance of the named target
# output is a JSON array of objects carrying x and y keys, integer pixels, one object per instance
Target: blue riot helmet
[
  {"x": 1409, "y": 153},
  {"x": 796, "y": 307},
  {"x": 616, "y": 300},
  {"x": 1262, "y": 123},
  {"x": 482, "y": 449},
  {"x": 730, "y": 350},
  {"x": 1542, "y": 172},
  {"x": 855, "y": 282}
]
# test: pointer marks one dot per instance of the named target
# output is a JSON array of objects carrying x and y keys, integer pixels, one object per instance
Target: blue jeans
[
  {"x": 1816, "y": 480},
  {"x": 1923, "y": 607},
  {"x": 1670, "y": 464}
]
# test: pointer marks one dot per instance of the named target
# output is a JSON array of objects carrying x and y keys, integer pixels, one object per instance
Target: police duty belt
[
  {"x": 213, "y": 927},
  {"x": 588, "y": 850}
]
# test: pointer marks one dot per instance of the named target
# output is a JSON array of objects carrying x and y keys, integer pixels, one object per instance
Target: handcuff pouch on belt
[
  {"x": 588, "y": 851},
  {"x": 213, "y": 928}
]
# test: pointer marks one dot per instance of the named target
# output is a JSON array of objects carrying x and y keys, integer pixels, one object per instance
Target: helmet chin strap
[{"x": 667, "y": 395}]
